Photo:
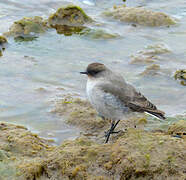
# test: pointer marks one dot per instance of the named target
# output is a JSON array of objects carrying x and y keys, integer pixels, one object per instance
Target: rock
[
  {"x": 27, "y": 27},
  {"x": 151, "y": 70},
  {"x": 155, "y": 70},
  {"x": 68, "y": 20},
  {"x": 18, "y": 146},
  {"x": 135, "y": 155},
  {"x": 3, "y": 42},
  {"x": 178, "y": 128},
  {"x": 140, "y": 16},
  {"x": 79, "y": 113},
  {"x": 150, "y": 55},
  {"x": 97, "y": 34},
  {"x": 181, "y": 76}
]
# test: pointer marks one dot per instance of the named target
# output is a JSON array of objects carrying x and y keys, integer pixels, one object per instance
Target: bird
[{"x": 114, "y": 98}]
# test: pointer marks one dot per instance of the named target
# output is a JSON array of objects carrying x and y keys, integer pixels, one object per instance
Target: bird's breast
[
  {"x": 90, "y": 86},
  {"x": 106, "y": 104}
]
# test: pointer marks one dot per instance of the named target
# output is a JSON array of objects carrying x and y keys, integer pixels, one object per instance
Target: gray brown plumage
[{"x": 115, "y": 85}]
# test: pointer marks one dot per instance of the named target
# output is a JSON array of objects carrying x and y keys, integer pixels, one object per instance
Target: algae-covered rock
[
  {"x": 79, "y": 112},
  {"x": 181, "y": 76},
  {"x": 136, "y": 155},
  {"x": 97, "y": 34},
  {"x": 155, "y": 70},
  {"x": 151, "y": 53},
  {"x": 3, "y": 42},
  {"x": 18, "y": 140},
  {"x": 27, "y": 27},
  {"x": 140, "y": 16},
  {"x": 18, "y": 146},
  {"x": 178, "y": 128},
  {"x": 69, "y": 19},
  {"x": 151, "y": 70}
]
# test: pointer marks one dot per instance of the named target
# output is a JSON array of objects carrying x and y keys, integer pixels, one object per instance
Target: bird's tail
[{"x": 157, "y": 113}]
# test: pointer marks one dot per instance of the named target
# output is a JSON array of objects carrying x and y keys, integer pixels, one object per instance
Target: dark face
[{"x": 94, "y": 69}]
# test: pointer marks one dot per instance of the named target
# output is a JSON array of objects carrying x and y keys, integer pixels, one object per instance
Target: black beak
[{"x": 83, "y": 73}]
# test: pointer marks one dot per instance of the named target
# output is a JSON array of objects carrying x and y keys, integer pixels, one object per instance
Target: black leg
[{"x": 111, "y": 131}]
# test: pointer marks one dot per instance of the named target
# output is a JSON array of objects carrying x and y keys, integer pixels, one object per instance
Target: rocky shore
[{"x": 133, "y": 154}]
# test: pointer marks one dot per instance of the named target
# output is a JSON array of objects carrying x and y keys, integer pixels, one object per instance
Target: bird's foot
[{"x": 111, "y": 131}]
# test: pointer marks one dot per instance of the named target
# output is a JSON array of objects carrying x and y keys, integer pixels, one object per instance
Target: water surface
[{"x": 34, "y": 74}]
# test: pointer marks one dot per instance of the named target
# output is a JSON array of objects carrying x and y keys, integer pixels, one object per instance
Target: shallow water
[{"x": 34, "y": 74}]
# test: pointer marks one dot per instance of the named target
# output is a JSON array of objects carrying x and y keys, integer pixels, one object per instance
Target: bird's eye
[{"x": 93, "y": 72}]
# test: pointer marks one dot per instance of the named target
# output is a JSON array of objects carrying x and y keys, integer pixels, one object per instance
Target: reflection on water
[{"x": 33, "y": 74}]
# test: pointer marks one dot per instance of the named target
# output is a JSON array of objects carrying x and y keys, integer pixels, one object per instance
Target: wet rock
[
  {"x": 155, "y": 70},
  {"x": 22, "y": 38},
  {"x": 181, "y": 76},
  {"x": 140, "y": 16},
  {"x": 79, "y": 112},
  {"x": 68, "y": 20},
  {"x": 151, "y": 54},
  {"x": 97, "y": 34},
  {"x": 135, "y": 155},
  {"x": 19, "y": 146},
  {"x": 178, "y": 129},
  {"x": 27, "y": 28},
  {"x": 3, "y": 42}
]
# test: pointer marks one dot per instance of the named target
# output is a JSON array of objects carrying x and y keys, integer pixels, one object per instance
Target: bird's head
[{"x": 95, "y": 70}]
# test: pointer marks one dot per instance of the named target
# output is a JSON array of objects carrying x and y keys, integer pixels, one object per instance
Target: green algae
[
  {"x": 27, "y": 26},
  {"x": 181, "y": 76},
  {"x": 79, "y": 113},
  {"x": 178, "y": 128},
  {"x": 69, "y": 20},
  {"x": 135, "y": 155},
  {"x": 3, "y": 42},
  {"x": 140, "y": 16}
]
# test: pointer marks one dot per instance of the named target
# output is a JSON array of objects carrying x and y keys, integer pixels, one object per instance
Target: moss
[
  {"x": 3, "y": 42},
  {"x": 135, "y": 155},
  {"x": 77, "y": 169},
  {"x": 79, "y": 113},
  {"x": 31, "y": 170},
  {"x": 178, "y": 128},
  {"x": 142, "y": 121},
  {"x": 108, "y": 165},
  {"x": 181, "y": 76},
  {"x": 69, "y": 20},
  {"x": 26, "y": 26},
  {"x": 140, "y": 16}
]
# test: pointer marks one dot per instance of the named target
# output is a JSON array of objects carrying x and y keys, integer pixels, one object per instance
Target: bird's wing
[{"x": 131, "y": 98}]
